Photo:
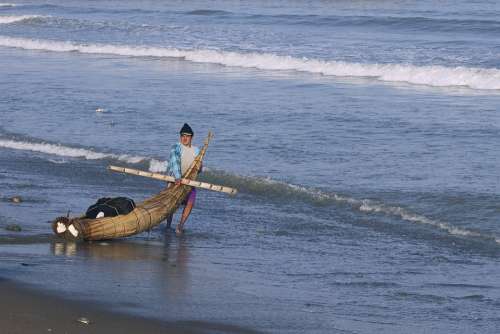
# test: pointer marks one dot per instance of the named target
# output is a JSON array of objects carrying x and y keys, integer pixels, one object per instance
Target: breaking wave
[
  {"x": 69, "y": 152},
  {"x": 17, "y": 18},
  {"x": 7, "y": 5},
  {"x": 432, "y": 75},
  {"x": 281, "y": 189},
  {"x": 373, "y": 207},
  {"x": 254, "y": 185}
]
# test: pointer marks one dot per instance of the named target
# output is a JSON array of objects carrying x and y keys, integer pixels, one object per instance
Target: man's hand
[{"x": 177, "y": 182}]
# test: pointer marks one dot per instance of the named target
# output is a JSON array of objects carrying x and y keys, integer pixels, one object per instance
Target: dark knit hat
[{"x": 186, "y": 129}]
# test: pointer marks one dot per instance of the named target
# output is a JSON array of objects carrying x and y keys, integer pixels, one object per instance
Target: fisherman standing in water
[{"x": 182, "y": 156}]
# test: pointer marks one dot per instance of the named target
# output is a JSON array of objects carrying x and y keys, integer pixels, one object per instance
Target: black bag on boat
[{"x": 110, "y": 207}]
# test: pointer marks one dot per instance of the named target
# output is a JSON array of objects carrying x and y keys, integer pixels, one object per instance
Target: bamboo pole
[{"x": 158, "y": 176}]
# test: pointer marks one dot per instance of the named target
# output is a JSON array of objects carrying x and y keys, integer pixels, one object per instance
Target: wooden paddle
[{"x": 158, "y": 176}]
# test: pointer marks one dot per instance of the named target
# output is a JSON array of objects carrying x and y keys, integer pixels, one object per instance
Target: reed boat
[{"x": 143, "y": 217}]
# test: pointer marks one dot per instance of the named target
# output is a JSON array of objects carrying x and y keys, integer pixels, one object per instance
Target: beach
[
  {"x": 29, "y": 311},
  {"x": 362, "y": 137}
]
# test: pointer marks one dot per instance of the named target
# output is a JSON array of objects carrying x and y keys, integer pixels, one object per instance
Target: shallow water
[{"x": 362, "y": 137}]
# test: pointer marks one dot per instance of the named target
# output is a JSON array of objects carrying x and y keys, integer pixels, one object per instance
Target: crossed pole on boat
[{"x": 188, "y": 182}]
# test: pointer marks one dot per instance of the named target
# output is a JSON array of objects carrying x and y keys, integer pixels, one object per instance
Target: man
[{"x": 182, "y": 156}]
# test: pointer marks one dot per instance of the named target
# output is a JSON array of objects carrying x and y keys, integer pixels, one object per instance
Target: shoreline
[{"x": 26, "y": 310}]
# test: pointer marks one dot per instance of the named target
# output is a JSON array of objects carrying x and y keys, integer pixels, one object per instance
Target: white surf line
[
  {"x": 17, "y": 18},
  {"x": 366, "y": 205},
  {"x": 64, "y": 151},
  {"x": 155, "y": 165},
  {"x": 432, "y": 75},
  {"x": 8, "y": 5}
]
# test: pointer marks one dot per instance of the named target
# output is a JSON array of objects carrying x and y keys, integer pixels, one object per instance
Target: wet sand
[{"x": 24, "y": 311}]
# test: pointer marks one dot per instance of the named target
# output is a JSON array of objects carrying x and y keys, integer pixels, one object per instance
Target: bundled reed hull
[{"x": 146, "y": 215}]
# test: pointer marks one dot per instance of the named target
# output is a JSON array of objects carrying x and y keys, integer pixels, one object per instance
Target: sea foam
[
  {"x": 65, "y": 151},
  {"x": 432, "y": 75},
  {"x": 255, "y": 185},
  {"x": 273, "y": 188},
  {"x": 370, "y": 206}
]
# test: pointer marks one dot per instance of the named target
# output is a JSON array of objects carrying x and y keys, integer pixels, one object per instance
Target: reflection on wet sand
[
  {"x": 64, "y": 248},
  {"x": 158, "y": 264}
]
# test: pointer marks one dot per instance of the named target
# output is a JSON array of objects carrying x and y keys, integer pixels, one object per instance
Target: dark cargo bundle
[{"x": 110, "y": 207}]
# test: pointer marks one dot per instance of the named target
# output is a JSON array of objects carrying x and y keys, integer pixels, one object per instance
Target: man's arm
[{"x": 174, "y": 163}]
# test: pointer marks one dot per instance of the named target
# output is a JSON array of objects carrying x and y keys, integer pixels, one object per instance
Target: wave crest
[
  {"x": 256, "y": 185},
  {"x": 283, "y": 190},
  {"x": 65, "y": 151},
  {"x": 433, "y": 75}
]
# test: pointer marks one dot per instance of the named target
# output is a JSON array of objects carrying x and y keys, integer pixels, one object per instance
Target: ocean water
[{"x": 363, "y": 137}]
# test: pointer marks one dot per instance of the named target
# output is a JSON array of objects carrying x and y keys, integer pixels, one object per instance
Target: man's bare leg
[{"x": 185, "y": 214}]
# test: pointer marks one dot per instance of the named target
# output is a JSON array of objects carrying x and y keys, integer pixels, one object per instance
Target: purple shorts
[{"x": 191, "y": 197}]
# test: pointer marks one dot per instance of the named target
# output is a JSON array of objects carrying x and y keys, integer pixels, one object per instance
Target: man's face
[{"x": 186, "y": 140}]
